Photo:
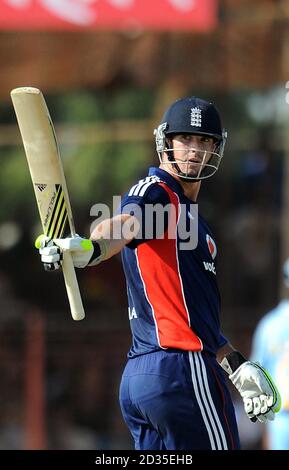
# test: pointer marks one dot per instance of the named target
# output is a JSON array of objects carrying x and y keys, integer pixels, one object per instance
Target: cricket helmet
[{"x": 191, "y": 116}]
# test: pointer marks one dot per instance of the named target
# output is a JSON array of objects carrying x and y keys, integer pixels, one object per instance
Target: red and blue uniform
[{"x": 173, "y": 393}]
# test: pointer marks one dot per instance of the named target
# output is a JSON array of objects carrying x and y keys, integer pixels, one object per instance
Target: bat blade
[{"x": 45, "y": 166}]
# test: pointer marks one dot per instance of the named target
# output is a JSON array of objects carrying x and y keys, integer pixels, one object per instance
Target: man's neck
[{"x": 191, "y": 190}]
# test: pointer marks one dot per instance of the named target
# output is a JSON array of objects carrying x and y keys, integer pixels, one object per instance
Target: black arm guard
[{"x": 232, "y": 361}]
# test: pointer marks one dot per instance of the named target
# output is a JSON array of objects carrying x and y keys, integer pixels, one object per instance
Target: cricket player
[
  {"x": 271, "y": 347},
  {"x": 173, "y": 392}
]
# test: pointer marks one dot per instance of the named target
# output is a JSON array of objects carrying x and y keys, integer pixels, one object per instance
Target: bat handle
[{"x": 71, "y": 284}]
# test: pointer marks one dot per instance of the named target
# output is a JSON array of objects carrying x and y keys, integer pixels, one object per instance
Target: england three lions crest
[{"x": 196, "y": 117}]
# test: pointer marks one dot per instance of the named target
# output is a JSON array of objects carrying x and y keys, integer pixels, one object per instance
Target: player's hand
[
  {"x": 83, "y": 251},
  {"x": 260, "y": 394},
  {"x": 51, "y": 255}
]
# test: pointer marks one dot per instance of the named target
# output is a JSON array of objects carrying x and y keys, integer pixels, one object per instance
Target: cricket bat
[{"x": 42, "y": 153}]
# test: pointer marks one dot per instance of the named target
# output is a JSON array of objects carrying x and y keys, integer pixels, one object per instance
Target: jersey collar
[{"x": 167, "y": 178}]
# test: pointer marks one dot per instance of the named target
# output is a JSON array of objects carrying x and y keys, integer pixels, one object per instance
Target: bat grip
[{"x": 71, "y": 283}]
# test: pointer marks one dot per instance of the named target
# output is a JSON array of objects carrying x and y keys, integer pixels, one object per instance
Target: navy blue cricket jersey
[{"x": 173, "y": 295}]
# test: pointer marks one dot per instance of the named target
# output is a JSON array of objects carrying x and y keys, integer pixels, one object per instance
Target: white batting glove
[
  {"x": 83, "y": 251},
  {"x": 51, "y": 255},
  {"x": 260, "y": 394}
]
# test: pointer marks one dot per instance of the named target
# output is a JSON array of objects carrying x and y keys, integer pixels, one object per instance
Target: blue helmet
[{"x": 191, "y": 116}]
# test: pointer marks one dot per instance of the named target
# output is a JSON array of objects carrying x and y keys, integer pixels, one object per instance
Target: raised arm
[{"x": 108, "y": 238}]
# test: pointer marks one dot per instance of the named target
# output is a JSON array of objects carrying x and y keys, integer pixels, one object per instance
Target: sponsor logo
[
  {"x": 212, "y": 246},
  {"x": 210, "y": 267},
  {"x": 40, "y": 187}
]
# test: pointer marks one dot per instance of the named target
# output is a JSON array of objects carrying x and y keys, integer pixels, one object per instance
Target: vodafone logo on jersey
[{"x": 212, "y": 246}]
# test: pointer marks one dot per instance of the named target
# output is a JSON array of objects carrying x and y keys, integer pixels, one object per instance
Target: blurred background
[{"x": 108, "y": 69}]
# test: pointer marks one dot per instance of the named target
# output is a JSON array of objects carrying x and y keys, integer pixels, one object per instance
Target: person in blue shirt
[
  {"x": 173, "y": 392},
  {"x": 270, "y": 346}
]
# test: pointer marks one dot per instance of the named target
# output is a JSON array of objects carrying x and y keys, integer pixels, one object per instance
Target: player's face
[{"x": 191, "y": 152}]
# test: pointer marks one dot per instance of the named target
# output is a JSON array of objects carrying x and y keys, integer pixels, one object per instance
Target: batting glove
[
  {"x": 83, "y": 251},
  {"x": 259, "y": 393}
]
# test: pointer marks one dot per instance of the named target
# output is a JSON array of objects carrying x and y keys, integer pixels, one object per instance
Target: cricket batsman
[{"x": 173, "y": 391}]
